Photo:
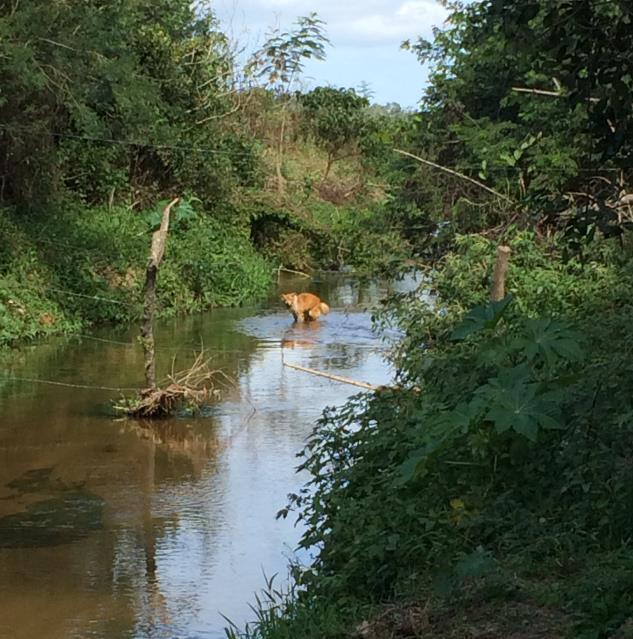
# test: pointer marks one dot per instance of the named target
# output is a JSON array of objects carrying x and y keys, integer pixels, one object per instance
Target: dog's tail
[{"x": 324, "y": 308}]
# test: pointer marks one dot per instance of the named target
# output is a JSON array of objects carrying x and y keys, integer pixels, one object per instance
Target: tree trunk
[
  {"x": 147, "y": 326},
  {"x": 330, "y": 161},
  {"x": 281, "y": 183},
  {"x": 149, "y": 292}
]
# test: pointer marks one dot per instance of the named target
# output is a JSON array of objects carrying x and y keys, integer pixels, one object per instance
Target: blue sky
[{"x": 365, "y": 36}]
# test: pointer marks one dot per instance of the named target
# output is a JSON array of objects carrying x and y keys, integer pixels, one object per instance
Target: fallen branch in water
[
  {"x": 194, "y": 387},
  {"x": 335, "y": 378}
]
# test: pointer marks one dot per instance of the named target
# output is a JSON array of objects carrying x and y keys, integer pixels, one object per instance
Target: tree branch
[
  {"x": 501, "y": 196},
  {"x": 552, "y": 94}
]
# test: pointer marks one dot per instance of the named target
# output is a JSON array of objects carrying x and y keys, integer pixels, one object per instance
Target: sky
[{"x": 365, "y": 36}]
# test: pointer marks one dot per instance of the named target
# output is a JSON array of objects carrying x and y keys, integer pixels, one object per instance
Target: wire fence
[
  {"x": 12, "y": 128},
  {"x": 50, "y": 382},
  {"x": 236, "y": 154}
]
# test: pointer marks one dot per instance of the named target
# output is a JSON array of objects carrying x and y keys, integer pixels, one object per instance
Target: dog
[{"x": 305, "y": 307}]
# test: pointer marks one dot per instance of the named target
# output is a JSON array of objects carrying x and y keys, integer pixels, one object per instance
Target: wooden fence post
[
  {"x": 159, "y": 238},
  {"x": 499, "y": 275}
]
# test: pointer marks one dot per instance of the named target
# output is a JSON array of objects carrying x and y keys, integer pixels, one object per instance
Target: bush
[
  {"x": 87, "y": 266},
  {"x": 507, "y": 442}
]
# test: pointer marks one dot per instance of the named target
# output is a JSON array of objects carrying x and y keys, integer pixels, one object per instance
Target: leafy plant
[
  {"x": 481, "y": 317},
  {"x": 337, "y": 120},
  {"x": 497, "y": 449},
  {"x": 280, "y": 61}
]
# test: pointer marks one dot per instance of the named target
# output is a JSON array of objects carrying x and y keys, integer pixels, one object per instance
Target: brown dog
[{"x": 305, "y": 307}]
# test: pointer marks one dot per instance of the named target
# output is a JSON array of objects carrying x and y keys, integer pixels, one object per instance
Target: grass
[
  {"x": 66, "y": 270},
  {"x": 594, "y": 602}
]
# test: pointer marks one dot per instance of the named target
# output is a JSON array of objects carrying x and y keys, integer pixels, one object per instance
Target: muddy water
[{"x": 114, "y": 529}]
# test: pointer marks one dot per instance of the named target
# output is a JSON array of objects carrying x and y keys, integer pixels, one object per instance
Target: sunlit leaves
[
  {"x": 336, "y": 119},
  {"x": 281, "y": 59},
  {"x": 182, "y": 214}
]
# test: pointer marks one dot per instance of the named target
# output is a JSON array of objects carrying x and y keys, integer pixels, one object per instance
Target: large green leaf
[
  {"x": 514, "y": 403},
  {"x": 551, "y": 341},
  {"x": 482, "y": 317}
]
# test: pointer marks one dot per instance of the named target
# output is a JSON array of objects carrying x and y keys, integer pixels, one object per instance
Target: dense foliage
[
  {"x": 500, "y": 467},
  {"x": 106, "y": 108},
  {"x": 108, "y": 97},
  {"x": 530, "y": 99},
  {"x": 498, "y": 471},
  {"x": 335, "y": 119},
  {"x": 496, "y": 478},
  {"x": 501, "y": 430},
  {"x": 87, "y": 266}
]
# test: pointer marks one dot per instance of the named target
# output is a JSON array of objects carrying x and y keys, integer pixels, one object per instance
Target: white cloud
[
  {"x": 365, "y": 34},
  {"x": 358, "y": 22},
  {"x": 410, "y": 19}
]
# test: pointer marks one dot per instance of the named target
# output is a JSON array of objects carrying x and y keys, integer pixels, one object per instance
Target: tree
[
  {"x": 281, "y": 61},
  {"x": 529, "y": 98},
  {"x": 336, "y": 119},
  {"x": 585, "y": 49},
  {"x": 98, "y": 97}
]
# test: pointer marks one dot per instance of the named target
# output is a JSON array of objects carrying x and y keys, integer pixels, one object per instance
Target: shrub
[
  {"x": 508, "y": 439},
  {"x": 87, "y": 265}
]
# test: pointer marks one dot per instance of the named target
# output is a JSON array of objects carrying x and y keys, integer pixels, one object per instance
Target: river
[{"x": 115, "y": 529}]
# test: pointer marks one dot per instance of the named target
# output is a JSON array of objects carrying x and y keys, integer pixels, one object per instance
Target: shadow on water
[
  {"x": 149, "y": 530},
  {"x": 59, "y": 515},
  {"x": 52, "y": 522}
]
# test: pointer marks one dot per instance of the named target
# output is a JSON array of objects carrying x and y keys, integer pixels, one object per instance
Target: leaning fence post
[
  {"x": 159, "y": 238},
  {"x": 499, "y": 275}
]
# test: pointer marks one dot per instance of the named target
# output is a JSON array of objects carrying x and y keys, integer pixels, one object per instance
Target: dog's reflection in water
[{"x": 301, "y": 335}]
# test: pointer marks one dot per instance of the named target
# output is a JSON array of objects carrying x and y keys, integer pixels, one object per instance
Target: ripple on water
[{"x": 339, "y": 327}]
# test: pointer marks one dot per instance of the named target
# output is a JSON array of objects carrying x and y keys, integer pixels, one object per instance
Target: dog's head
[{"x": 288, "y": 299}]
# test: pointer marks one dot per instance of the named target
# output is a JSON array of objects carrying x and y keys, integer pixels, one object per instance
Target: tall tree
[
  {"x": 529, "y": 98},
  {"x": 336, "y": 119},
  {"x": 101, "y": 96},
  {"x": 281, "y": 60}
]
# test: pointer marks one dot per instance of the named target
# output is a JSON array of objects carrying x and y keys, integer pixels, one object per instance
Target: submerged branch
[{"x": 335, "y": 378}]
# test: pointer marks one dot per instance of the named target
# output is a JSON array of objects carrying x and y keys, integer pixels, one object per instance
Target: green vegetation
[
  {"x": 491, "y": 492},
  {"x": 87, "y": 265},
  {"x": 496, "y": 477},
  {"x": 335, "y": 119},
  {"x": 108, "y": 108}
]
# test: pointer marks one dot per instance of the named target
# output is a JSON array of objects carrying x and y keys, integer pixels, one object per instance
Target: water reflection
[{"x": 166, "y": 523}]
